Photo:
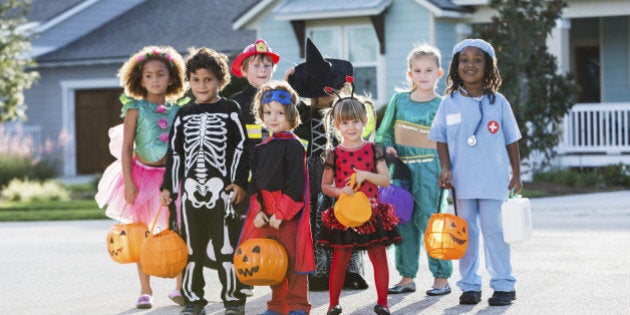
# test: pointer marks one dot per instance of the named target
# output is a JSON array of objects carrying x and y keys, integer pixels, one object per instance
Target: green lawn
[{"x": 82, "y": 209}]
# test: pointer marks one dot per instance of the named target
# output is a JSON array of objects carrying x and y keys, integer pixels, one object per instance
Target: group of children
[{"x": 234, "y": 169}]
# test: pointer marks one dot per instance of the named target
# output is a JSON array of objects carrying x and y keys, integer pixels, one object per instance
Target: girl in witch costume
[
  {"x": 309, "y": 79},
  {"x": 153, "y": 79},
  {"x": 356, "y": 156},
  {"x": 279, "y": 205}
]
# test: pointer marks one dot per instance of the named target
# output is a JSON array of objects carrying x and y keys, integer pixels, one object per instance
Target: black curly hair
[{"x": 491, "y": 77}]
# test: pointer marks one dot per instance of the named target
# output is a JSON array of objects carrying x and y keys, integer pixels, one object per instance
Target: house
[
  {"x": 592, "y": 40},
  {"x": 79, "y": 45}
]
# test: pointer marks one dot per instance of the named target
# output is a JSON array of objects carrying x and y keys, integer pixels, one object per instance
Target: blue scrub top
[{"x": 481, "y": 171}]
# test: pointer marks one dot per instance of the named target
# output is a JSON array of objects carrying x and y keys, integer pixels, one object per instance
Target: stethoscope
[{"x": 472, "y": 140}]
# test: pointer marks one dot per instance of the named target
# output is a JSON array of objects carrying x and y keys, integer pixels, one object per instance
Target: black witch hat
[{"x": 317, "y": 72}]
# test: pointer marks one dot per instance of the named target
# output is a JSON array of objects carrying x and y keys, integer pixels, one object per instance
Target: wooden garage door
[{"x": 96, "y": 111}]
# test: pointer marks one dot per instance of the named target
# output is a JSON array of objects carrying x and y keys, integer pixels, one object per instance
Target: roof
[
  {"x": 308, "y": 9},
  {"x": 324, "y": 9},
  {"x": 181, "y": 24},
  {"x": 43, "y": 10}
]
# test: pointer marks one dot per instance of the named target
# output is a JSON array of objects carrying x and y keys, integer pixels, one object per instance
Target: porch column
[{"x": 558, "y": 43}]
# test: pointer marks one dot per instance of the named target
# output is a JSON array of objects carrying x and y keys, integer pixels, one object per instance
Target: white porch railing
[{"x": 596, "y": 134}]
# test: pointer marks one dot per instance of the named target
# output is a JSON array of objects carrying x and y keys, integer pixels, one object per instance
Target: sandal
[
  {"x": 144, "y": 301},
  {"x": 177, "y": 297}
]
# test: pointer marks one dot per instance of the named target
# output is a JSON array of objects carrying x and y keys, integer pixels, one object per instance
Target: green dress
[{"x": 404, "y": 113}]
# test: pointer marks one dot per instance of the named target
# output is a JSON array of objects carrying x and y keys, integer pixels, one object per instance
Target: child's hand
[
  {"x": 131, "y": 191},
  {"x": 261, "y": 220},
  {"x": 445, "y": 179},
  {"x": 273, "y": 222},
  {"x": 165, "y": 199},
  {"x": 360, "y": 177},
  {"x": 238, "y": 194},
  {"x": 391, "y": 151},
  {"x": 516, "y": 184},
  {"x": 347, "y": 190},
  {"x": 288, "y": 73}
]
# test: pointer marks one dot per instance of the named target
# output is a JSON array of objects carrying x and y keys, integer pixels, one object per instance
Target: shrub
[
  {"x": 605, "y": 176},
  {"x": 26, "y": 191},
  {"x": 21, "y": 158}
]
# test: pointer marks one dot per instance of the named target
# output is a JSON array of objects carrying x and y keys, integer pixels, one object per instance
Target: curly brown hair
[
  {"x": 209, "y": 59},
  {"x": 491, "y": 76},
  {"x": 130, "y": 74},
  {"x": 292, "y": 114}
]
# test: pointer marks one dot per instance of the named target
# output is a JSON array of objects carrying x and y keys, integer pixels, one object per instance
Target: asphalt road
[{"x": 577, "y": 262}]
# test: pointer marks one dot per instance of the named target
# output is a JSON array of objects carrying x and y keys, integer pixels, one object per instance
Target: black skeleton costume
[{"x": 205, "y": 155}]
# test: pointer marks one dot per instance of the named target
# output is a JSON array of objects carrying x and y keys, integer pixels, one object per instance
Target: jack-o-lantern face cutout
[
  {"x": 446, "y": 236},
  {"x": 459, "y": 235},
  {"x": 260, "y": 261},
  {"x": 248, "y": 272},
  {"x": 125, "y": 240}
]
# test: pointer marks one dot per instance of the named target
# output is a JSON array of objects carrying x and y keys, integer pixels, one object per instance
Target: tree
[
  {"x": 14, "y": 44},
  {"x": 540, "y": 96}
]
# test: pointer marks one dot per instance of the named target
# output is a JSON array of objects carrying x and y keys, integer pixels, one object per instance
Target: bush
[
  {"x": 21, "y": 158},
  {"x": 605, "y": 176},
  {"x": 28, "y": 191}
]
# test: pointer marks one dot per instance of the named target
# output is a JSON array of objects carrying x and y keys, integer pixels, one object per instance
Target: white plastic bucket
[{"x": 516, "y": 217}]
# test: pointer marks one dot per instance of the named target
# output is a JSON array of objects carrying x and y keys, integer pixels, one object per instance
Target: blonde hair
[
  {"x": 421, "y": 50},
  {"x": 130, "y": 74},
  {"x": 292, "y": 114},
  {"x": 356, "y": 107}
]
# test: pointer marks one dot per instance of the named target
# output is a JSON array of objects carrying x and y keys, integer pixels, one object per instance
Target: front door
[{"x": 96, "y": 111}]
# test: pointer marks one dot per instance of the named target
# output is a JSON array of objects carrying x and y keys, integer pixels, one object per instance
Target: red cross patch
[{"x": 493, "y": 126}]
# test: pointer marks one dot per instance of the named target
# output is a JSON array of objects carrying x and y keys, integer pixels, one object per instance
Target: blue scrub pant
[{"x": 484, "y": 214}]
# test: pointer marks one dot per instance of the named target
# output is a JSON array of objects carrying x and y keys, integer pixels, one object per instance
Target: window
[{"x": 357, "y": 44}]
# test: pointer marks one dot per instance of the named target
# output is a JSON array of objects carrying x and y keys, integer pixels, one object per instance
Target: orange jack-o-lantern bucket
[
  {"x": 446, "y": 236},
  {"x": 260, "y": 261},
  {"x": 163, "y": 254},
  {"x": 355, "y": 210},
  {"x": 125, "y": 240}
]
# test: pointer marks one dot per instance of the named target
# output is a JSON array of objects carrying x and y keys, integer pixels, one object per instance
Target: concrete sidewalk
[{"x": 577, "y": 262}]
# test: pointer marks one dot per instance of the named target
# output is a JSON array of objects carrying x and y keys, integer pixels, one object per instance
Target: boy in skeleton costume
[{"x": 207, "y": 166}]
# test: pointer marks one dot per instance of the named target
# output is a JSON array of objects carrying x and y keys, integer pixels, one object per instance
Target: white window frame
[{"x": 343, "y": 30}]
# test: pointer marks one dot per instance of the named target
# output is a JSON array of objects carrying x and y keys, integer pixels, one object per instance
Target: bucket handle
[{"x": 440, "y": 200}]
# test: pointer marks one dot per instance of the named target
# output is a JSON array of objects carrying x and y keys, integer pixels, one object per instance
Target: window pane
[
  {"x": 327, "y": 41},
  {"x": 362, "y": 44},
  {"x": 365, "y": 81}
]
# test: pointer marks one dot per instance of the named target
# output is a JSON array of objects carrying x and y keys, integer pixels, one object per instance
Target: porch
[{"x": 595, "y": 134}]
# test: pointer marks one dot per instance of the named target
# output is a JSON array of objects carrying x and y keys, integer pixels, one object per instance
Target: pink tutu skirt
[{"x": 111, "y": 192}]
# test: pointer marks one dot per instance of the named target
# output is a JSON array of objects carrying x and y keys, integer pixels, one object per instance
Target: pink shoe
[
  {"x": 144, "y": 301},
  {"x": 177, "y": 297}
]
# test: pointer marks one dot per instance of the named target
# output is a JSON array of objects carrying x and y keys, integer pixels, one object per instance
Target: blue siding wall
[
  {"x": 616, "y": 86},
  {"x": 445, "y": 39},
  {"x": 281, "y": 38},
  {"x": 407, "y": 23}
]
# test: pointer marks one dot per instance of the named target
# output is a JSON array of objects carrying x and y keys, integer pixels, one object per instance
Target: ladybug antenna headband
[
  {"x": 281, "y": 96},
  {"x": 331, "y": 91}
]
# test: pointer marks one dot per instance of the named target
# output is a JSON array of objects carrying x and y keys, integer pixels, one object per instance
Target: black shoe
[
  {"x": 502, "y": 298},
  {"x": 235, "y": 310},
  {"x": 317, "y": 283},
  {"x": 470, "y": 297},
  {"x": 354, "y": 281},
  {"x": 193, "y": 309},
  {"x": 407, "y": 288},
  {"x": 381, "y": 310},
  {"x": 336, "y": 310}
]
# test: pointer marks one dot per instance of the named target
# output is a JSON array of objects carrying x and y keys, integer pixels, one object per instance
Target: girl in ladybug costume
[{"x": 367, "y": 161}]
